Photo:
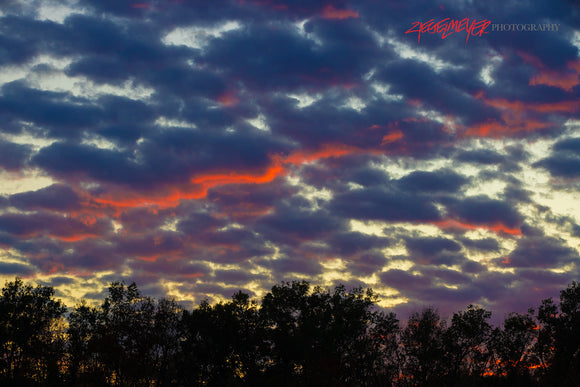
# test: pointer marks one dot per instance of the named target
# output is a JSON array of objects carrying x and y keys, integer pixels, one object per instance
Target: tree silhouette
[
  {"x": 298, "y": 335},
  {"x": 424, "y": 350},
  {"x": 31, "y": 334},
  {"x": 129, "y": 340},
  {"x": 513, "y": 347},
  {"x": 559, "y": 340},
  {"x": 85, "y": 363},
  {"x": 467, "y": 345},
  {"x": 223, "y": 344}
]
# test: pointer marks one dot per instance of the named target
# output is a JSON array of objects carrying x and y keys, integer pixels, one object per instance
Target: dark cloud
[
  {"x": 170, "y": 156},
  {"x": 9, "y": 268},
  {"x": 197, "y": 223},
  {"x": 350, "y": 243},
  {"x": 149, "y": 247},
  {"x": 294, "y": 60},
  {"x": 56, "y": 111},
  {"x": 564, "y": 160},
  {"x": 243, "y": 200},
  {"x": 400, "y": 279},
  {"x": 379, "y": 204},
  {"x": 561, "y": 165},
  {"x": 434, "y": 251},
  {"x": 13, "y": 156},
  {"x": 123, "y": 110},
  {"x": 284, "y": 266},
  {"x": 181, "y": 269},
  {"x": 23, "y": 38},
  {"x": 437, "y": 181},
  {"x": 145, "y": 220},
  {"x": 485, "y": 245},
  {"x": 540, "y": 252},
  {"x": 482, "y": 210},
  {"x": 22, "y": 225},
  {"x": 480, "y": 156},
  {"x": 57, "y": 197},
  {"x": 450, "y": 277},
  {"x": 571, "y": 145},
  {"x": 235, "y": 277},
  {"x": 426, "y": 246},
  {"x": 472, "y": 267},
  {"x": 289, "y": 221},
  {"x": 515, "y": 193},
  {"x": 369, "y": 176},
  {"x": 418, "y": 81},
  {"x": 58, "y": 281},
  {"x": 367, "y": 264},
  {"x": 100, "y": 164}
]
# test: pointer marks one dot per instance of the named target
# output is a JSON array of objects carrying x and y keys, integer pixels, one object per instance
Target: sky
[{"x": 204, "y": 147}]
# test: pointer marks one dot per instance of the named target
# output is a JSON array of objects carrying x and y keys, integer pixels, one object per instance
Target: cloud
[
  {"x": 56, "y": 197},
  {"x": 13, "y": 156},
  {"x": 437, "y": 181},
  {"x": 205, "y": 146},
  {"x": 485, "y": 245},
  {"x": 539, "y": 252},
  {"x": 367, "y": 264},
  {"x": 481, "y": 210},
  {"x": 427, "y": 246},
  {"x": 65, "y": 229},
  {"x": 564, "y": 160},
  {"x": 17, "y": 269},
  {"x": 480, "y": 156},
  {"x": 350, "y": 243},
  {"x": 380, "y": 204},
  {"x": 47, "y": 109}
]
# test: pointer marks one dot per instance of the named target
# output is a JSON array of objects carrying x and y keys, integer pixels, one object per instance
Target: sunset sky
[{"x": 201, "y": 147}]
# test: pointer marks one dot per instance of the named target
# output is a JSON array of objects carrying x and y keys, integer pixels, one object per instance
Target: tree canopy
[{"x": 296, "y": 335}]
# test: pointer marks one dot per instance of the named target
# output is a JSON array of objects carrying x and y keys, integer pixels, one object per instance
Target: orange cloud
[
  {"x": 452, "y": 224},
  {"x": 193, "y": 275},
  {"x": 74, "y": 238},
  {"x": 228, "y": 99},
  {"x": 517, "y": 116},
  {"x": 149, "y": 258},
  {"x": 329, "y": 12},
  {"x": 327, "y": 151},
  {"x": 119, "y": 200},
  {"x": 392, "y": 137},
  {"x": 497, "y": 129},
  {"x": 531, "y": 59},
  {"x": 519, "y": 106},
  {"x": 414, "y": 102},
  {"x": 564, "y": 80},
  {"x": 140, "y": 5}
]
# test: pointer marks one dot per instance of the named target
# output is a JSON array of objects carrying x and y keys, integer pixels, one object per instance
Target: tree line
[{"x": 298, "y": 335}]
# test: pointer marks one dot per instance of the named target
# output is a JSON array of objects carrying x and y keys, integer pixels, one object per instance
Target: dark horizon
[
  {"x": 201, "y": 147},
  {"x": 298, "y": 335}
]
